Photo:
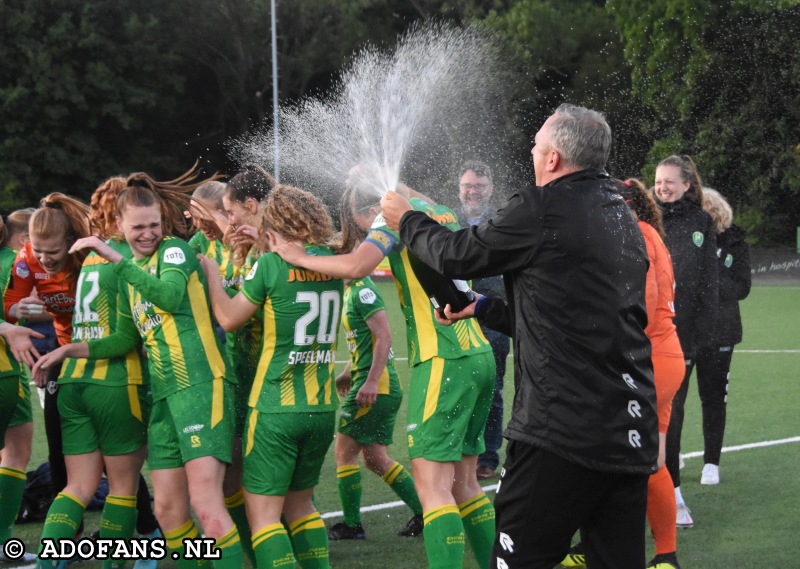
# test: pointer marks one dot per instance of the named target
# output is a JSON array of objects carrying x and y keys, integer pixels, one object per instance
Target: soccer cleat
[
  {"x": 26, "y": 558},
  {"x": 575, "y": 559},
  {"x": 413, "y": 528},
  {"x": 684, "y": 517},
  {"x": 710, "y": 475},
  {"x": 148, "y": 563},
  {"x": 344, "y": 531},
  {"x": 664, "y": 561}
]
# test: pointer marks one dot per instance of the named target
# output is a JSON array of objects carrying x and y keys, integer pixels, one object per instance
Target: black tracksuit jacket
[
  {"x": 733, "y": 255},
  {"x": 692, "y": 243},
  {"x": 574, "y": 264}
]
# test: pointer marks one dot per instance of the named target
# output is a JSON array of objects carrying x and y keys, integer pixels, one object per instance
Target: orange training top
[
  {"x": 56, "y": 291},
  {"x": 660, "y": 295}
]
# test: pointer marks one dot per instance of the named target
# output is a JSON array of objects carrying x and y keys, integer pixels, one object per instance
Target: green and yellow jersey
[
  {"x": 9, "y": 366},
  {"x": 426, "y": 337},
  {"x": 229, "y": 273},
  {"x": 301, "y": 317},
  {"x": 164, "y": 301},
  {"x": 95, "y": 317},
  {"x": 362, "y": 300}
]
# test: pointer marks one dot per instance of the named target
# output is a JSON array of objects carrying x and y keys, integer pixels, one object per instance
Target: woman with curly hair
[
  {"x": 165, "y": 306},
  {"x": 290, "y": 423}
]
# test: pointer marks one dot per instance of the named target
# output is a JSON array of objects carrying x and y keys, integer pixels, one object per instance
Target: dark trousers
[
  {"x": 52, "y": 429},
  {"x": 493, "y": 435},
  {"x": 713, "y": 371},
  {"x": 676, "y": 426},
  {"x": 542, "y": 500}
]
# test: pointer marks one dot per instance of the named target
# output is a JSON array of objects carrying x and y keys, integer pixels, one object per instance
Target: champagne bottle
[{"x": 441, "y": 290}]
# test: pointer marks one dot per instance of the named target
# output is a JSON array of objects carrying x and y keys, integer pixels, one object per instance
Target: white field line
[{"x": 493, "y": 487}]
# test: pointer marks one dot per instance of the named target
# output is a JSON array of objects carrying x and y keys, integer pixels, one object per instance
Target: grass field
[{"x": 749, "y": 521}]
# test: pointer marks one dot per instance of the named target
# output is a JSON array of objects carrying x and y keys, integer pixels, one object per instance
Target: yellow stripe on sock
[
  {"x": 311, "y": 521},
  {"x": 393, "y": 472},
  {"x": 13, "y": 472},
  {"x": 473, "y": 504},
  {"x": 431, "y": 515},
  {"x": 347, "y": 470},
  {"x": 266, "y": 533},
  {"x": 229, "y": 539},
  {"x": 73, "y": 498},
  {"x": 126, "y": 501},
  {"x": 186, "y": 531},
  {"x": 236, "y": 500}
]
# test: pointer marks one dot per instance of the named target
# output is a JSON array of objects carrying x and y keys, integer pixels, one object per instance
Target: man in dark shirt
[
  {"x": 475, "y": 188},
  {"x": 583, "y": 436}
]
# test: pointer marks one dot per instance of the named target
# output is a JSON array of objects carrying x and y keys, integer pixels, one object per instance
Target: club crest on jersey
[
  {"x": 22, "y": 270},
  {"x": 728, "y": 260},
  {"x": 697, "y": 238},
  {"x": 174, "y": 256},
  {"x": 367, "y": 296}
]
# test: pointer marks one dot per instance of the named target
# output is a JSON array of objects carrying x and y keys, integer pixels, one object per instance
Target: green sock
[
  {"x": 273, "y": 548},
  {"x": 175, "y": 539},
  {"x": 444, "y": 537},
  {"x": 63, "y": 518},
  {"x": 401, "y": 483},
  {"x": 349, "y": 477},
  {"x": 230, "y": 548},
  {"x": 12, "y": 486},
  {"x": 236, "y": 509},
  {"x": 118, "y": 521},
  {"x": 310, "y": 541},
  {"x": 477, "y": 515}
]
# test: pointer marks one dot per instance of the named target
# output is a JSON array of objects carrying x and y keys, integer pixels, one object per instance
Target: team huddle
[{"x": 213, "y": 360}]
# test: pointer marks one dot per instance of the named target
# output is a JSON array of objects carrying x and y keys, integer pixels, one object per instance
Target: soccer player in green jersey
[
  {"x": 208, "y": 216},
  {"x": 452, "y": 379},
  {"x": 291, "y": 421},
  {"x": 104, "y": 404},
  {"x": 163, "y": 302},
  {"x": 372, "y": 395}
]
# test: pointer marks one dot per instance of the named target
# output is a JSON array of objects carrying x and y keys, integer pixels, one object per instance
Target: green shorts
[
  {"x": 23, "y": 413},
  {"x": 192, "y": 423},
  {"x": 369, "y": 425},
  {"x": 448, "y": 404},
  {"x": 285, "y": 451},
  {"x": 111, "y": 418}
]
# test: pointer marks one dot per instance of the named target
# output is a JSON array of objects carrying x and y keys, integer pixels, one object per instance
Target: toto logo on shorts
[
  {"x": 192, "y": 429},
  {"x": 174, "y": 256}
]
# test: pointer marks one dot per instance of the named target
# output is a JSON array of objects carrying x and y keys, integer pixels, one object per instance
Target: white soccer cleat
[
  {"x": 710, "y": 475},
  {"x": 684, "y": 517}
]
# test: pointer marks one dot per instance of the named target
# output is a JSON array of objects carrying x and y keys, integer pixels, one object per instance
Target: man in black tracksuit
[{"x": 583, "y": 433}]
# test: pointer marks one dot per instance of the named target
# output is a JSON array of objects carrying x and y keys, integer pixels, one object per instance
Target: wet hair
[
  {"x": 172, "y": 197},
  {"x": 103, "y": 204},
  {"x": 581, "y": 137},
  {"x": 297, "y": 215},
  {"x": 481, "y": 169},
  {"x": 688, "y": 173},
  {"x": 719, "y": 209},
  {"x": 642, "y": 203},
  {"x": 252, "y": 182},
  {"x": 16, "y": 222},
  {"x": 360, "y": 195},
  {"x": 211, "y": 193}
]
